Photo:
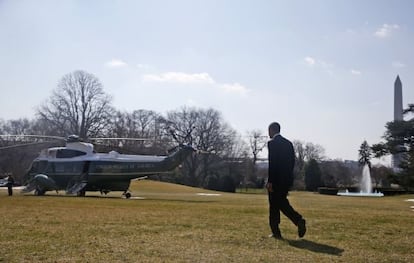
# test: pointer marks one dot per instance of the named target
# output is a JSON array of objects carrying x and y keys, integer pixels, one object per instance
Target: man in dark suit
[{"x": 280, "y": 180}]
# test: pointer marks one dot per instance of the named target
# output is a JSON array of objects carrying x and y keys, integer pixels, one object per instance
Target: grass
[
  {"x": 251, "y": 190},
  {"x": 174, "y": 224}
]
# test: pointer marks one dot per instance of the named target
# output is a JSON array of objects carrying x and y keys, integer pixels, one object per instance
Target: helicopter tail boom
[{"x": 176, "y": 158}]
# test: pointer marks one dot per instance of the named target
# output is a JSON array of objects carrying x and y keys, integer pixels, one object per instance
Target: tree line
[{"x": 80, "y": 106}]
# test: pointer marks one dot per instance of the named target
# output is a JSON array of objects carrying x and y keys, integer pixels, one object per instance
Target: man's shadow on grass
[{"x": 315, "y": 247}]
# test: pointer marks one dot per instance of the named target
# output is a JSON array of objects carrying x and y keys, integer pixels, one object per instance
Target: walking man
[{"x": 280, "y": 180}]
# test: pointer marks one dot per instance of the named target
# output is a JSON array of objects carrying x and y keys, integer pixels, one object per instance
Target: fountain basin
[
  {"x": 360, "y": 194},
  {"x": 365, "y": 186}
]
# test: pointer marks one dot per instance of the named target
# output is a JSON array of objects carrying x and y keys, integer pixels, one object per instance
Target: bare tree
[
  {"x": 142, "y": 124},
  {"x": 43, "y": 127},
  {"x": 304, "y": 153},
  {"x": 299, "y": 169},
  {"x": 257, "y": 142},
  {"x": 300, "y": 152},
  {"x": 205, "y": 130},
  {"x": 138, "y": 124},
  {"x": 314, "y": 151},
  {"x": 336, "y": 174},
  {"x": 17, "y": 127},
  {"x": 78, "y": 106}
]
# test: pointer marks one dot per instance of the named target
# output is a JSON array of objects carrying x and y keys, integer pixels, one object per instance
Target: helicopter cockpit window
[
  {"x": 38, "y": 167},
  {"x": 68, "y": 153}
]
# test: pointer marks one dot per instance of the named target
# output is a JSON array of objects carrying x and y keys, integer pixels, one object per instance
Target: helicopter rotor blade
[
  {"x": 122, "y": 138},
  {"x": 26, "y": 145},
  {"x": 31, "y": 136},
  {"x": 23, "y": 142}
]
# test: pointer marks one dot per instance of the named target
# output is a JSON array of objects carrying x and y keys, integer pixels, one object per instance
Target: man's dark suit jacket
[{"x": 281, "y": 163}]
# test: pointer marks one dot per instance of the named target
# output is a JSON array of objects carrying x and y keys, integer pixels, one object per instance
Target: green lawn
[{"x": 174, "y": 223}]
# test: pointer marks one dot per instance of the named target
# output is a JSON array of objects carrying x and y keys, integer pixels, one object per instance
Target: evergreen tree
[
  {"x": 365, "y": 153},
  {"x": 312, "y": 175},
  {"x": 399, "y": 139}
]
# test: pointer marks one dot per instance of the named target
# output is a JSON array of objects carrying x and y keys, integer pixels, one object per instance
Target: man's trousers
[{"x": 278, "y": 202}]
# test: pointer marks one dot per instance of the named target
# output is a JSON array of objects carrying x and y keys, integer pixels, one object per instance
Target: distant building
[{"x": 355, "y": 165}]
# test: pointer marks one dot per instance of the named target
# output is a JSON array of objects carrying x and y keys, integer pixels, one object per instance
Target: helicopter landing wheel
[
  {"x": 39, "y": 192},
  {"x": 127, "y": 195}
]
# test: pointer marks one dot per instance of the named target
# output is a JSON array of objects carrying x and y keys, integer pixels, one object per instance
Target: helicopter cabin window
[
  {"x": 68, "y": 153},
  {"x": 38, "y": 166},
  {"x": 68, "y": 167}
]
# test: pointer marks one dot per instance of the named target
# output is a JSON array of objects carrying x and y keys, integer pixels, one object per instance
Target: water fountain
[{"x": 365, "y": 186}]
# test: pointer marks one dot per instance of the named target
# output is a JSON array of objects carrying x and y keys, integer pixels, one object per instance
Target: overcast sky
[{"x": 324, "y": 69}]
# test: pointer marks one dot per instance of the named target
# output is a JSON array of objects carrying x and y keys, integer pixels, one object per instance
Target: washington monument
[
  {"x": 398, "y": 115},
  {"x": 398, "y": 106}
]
